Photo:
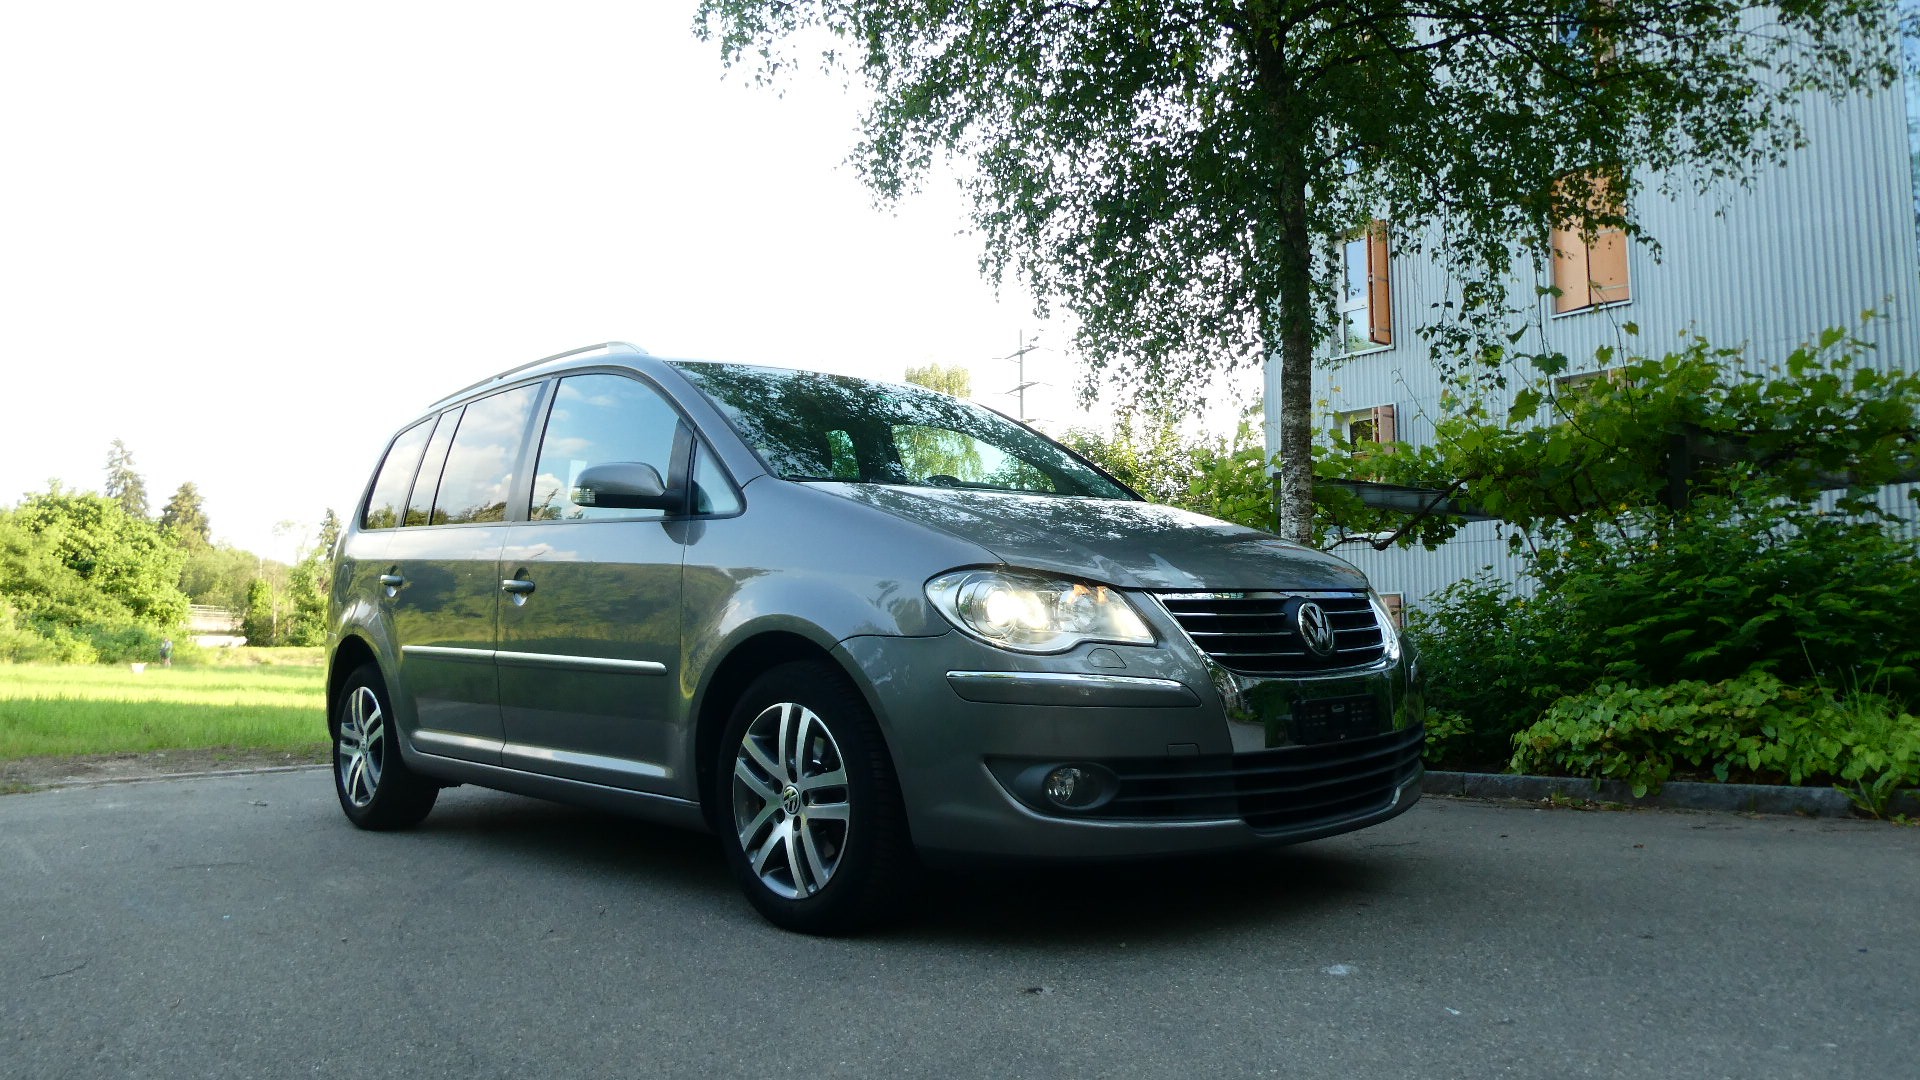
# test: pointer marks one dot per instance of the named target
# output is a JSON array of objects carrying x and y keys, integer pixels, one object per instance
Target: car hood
[{"x": 1129, "y": 544}]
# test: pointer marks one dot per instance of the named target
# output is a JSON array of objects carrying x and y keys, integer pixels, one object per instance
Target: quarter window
[
  {"x": 712, "y": 494},
  {"x": 396, "y": 475},
  {"x": 420, "y": 507},
  {"x": 598, "y": 419},
  {"x": 480, "y": 463}
]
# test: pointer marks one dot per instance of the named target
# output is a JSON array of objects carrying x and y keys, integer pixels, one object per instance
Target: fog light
[
  {"x": 1074, "y": 787},
  {"x": 1063, "y": 782}
]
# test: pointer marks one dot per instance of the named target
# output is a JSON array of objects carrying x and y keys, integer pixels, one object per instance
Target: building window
[
  {"x": 1361, "y": 428},
  {"x": 1910, "y": 53},
  {"x": 1396, "y": 608},
  {"x": 1570, "y": 390},
  {"x": 1591, "y": 272},
  {"x": 1366, "y": 293}
]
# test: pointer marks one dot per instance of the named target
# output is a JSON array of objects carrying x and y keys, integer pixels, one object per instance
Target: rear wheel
[
  {"x": 809, "y": 809},
  {"x": 376, "y": 788}
]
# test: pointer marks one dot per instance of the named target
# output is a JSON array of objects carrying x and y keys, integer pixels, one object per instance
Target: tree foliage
[
  {"x": 82, "y": 581},
  {"x": 290, "y": 607},
  {"x": 1697, "y": 518},
  {"x": 1168, "y": 170},
  {"x": 125, "y": 485},
  {"x": 123, "y": 558},
  {"x": 218, "y": 574},
  {"x": 1594, "y": 458},
  {"x": 185, "y": 518},
  {"x": 1223, "y": 477},
  {"x": 954, "y": 380}
]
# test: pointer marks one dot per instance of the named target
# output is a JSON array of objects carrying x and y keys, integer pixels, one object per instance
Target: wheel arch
[
  {"x": 729, "y": 680},
  {"x": 352, "y": 652}
]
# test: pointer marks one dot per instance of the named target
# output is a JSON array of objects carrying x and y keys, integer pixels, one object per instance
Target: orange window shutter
[
  {"x": 1570, "y": 272},
  {"x": 1607, "y": 267},
  {"x": 1379, "y": 287}
]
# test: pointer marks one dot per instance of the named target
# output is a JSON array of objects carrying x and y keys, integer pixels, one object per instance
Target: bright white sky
[{"x": 252, "y": 239}]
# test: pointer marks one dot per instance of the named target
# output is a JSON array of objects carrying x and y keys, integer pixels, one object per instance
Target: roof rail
[{"x": 609, "y": 346}]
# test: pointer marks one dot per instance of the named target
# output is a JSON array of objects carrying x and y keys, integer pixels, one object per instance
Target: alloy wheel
[
  {"x": 790, "y": 800},
  {"x": 360, "y": 748}
]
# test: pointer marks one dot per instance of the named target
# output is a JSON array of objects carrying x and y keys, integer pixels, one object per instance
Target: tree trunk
[
  {"x": 1296, "y": 361},
  {"x": 1286, "y": 313}
]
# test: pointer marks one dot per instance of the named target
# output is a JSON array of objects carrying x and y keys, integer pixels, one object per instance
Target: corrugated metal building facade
[{"x": 1809, "y": 245}]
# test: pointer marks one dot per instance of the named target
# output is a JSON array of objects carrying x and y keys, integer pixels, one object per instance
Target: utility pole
[{"x": 1019, "y": 356}]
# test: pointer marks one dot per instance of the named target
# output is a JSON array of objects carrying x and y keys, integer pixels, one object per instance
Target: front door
[{"x": 589, "y": 644}]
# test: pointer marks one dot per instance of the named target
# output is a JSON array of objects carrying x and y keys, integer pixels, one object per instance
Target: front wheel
[
  {"x": 810, "y": 811},
  {"x": 376, "y": 788}
]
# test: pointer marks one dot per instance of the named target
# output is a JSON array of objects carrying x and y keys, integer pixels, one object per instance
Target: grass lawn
[{"x": 58, "y": 710}]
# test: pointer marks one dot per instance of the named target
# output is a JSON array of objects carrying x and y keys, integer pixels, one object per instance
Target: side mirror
[{"x": 625, "y": 485}]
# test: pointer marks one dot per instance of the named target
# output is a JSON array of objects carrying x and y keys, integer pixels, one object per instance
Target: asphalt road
[{"x": 240, "y": 927}]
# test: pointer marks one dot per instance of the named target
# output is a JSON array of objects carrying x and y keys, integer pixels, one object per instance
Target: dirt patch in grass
[{"x": 37, "y": 773}]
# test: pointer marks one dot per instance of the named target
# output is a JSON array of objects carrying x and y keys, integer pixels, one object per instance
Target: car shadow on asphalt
[
  {"x": 1169, "y": 899},
  {"x": 1004, "y": 904}
]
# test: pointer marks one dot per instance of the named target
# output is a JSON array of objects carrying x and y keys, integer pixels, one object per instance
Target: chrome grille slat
[{"x": 1246, "y": 632}]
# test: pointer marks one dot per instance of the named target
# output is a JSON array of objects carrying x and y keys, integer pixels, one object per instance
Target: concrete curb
[
  {"x": 214, "y": 774},
  {"x": 1675, "y": 795}
]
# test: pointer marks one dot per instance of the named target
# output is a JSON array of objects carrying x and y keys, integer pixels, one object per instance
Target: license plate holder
[{"x": 1324, "y": 720}]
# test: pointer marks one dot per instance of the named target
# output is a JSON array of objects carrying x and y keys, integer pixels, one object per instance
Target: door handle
[
  {"x": 519, "y": 586},
  {"x": 392, "y": 583}
]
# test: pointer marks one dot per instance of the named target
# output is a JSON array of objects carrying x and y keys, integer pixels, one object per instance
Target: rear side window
[
  {"x": 390, "y": 486},
  {"x": 479, "y": 473},
  {"x": 598, "y": 419}
]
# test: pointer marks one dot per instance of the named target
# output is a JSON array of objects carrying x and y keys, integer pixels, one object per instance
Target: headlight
[
  {"x": 1389, "y": 633},
  {"x": 1032, "y": 612}
]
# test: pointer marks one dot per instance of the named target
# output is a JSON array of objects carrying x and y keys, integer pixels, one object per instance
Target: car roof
[{"x": 615, "y": 352}]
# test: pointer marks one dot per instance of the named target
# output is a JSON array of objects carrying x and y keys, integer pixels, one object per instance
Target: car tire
[
  {"x": 370, "y": 776},
  {"x": 808, "y": 807}
]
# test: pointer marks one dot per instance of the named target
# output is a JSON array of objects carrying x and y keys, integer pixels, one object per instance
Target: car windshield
[{"x": 810, "y": 426}]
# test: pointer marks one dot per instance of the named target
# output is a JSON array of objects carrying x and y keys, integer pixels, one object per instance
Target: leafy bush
[
  {"x": 1751, "y": 728},
  {"x": 1494, "y": 663},
  {"x": 1739, "y": 583},
  {"x": 27, "y": 640},
  {"x": 121, "y": 560}
]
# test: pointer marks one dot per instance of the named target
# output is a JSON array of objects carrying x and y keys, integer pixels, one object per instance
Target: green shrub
[
  {"x": 1736, "y": 584},
  {"x": 1752, "y": 728},
  {"x": 1495, "y": 661}
]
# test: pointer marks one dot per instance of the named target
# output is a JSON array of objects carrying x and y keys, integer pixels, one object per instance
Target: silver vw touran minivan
[{"x": 849, "y": 627}]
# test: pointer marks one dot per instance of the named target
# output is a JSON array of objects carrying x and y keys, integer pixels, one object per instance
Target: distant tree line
[{"x": 91, "y": 577}]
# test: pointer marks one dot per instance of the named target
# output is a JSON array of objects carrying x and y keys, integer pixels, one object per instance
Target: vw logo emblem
[{"x": 1316, "y": 630}]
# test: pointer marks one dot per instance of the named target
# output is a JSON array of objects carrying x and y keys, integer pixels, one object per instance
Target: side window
[
  {"x": 420, "y": 507},
  {"x": 598, "y": 419},
  {"x": 396, "y": 475},
  {"x": 486, "y": 446}
]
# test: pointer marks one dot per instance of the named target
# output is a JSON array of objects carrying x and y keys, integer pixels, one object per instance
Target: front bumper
[{"x": 1196, "y": 759}]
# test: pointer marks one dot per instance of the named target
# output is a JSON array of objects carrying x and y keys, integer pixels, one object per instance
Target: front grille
[
  {"x": 1294, "y": 787},
  {"x": 1249, "y": 632}
]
